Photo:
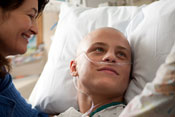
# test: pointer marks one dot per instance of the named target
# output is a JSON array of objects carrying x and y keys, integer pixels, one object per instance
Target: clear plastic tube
[
  {"x": 105, "y": 63},
  {"x": 98, "y": 63},
  {"x": 75, "y": 85},
  {"x": 92, "y": 106}
]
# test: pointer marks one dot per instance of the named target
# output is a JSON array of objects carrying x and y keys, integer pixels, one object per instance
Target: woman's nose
[
  {"x": 34, "y": 28},
  {"x": 109, "y": 57}
]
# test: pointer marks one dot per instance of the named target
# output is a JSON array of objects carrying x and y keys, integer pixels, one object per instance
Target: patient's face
[{"x": 109, "y": 46}]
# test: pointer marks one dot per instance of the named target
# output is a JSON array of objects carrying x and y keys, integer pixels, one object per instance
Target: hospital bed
[{"x": 148, "y": 28}]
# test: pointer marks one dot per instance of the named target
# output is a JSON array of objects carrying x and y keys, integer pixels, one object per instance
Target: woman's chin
[{"x": 20, "y": 52}]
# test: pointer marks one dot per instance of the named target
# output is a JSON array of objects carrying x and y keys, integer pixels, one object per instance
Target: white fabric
[
  {"x": 112, "y": 111},
  {"x": 54, "y": 91},
  {"x": 150, "y": 33},
  {"x": 158, "y": 97},
  {"x": 151, "y": 40},
  {"x": 71, "y": 112}
]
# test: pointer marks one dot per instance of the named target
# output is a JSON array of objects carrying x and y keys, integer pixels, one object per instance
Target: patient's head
[{"x": 101, "y": 66}]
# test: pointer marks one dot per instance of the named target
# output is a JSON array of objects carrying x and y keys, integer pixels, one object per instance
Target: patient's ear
[{"x": 73, "y": 69}]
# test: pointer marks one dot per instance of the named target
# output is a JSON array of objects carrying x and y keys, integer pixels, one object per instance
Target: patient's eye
[
  {"x": 99, "y": 50},
  {"x": 121, "y": 55}
]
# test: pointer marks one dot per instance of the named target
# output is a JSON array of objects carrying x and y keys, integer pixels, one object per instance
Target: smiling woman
[
  {"x": 18, "y": 24},
  {"x": 18, "y": 21}
]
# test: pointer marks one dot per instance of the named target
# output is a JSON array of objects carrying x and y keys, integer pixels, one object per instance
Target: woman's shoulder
[{"x": 5, "y": 82}]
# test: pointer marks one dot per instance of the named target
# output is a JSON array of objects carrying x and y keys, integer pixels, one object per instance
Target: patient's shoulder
[{"x": 71, "y": 112}]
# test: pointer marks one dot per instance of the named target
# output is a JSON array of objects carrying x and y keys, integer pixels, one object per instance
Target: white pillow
[
  {"x": 54, "y": 91},
  {"x": 151, "y": 41}
]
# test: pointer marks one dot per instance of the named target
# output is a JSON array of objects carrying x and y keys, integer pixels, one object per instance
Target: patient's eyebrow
[
  {"x": 123, "y": 48},
  {"x": 96, "y": 44},
  {"x": 99, "y": 43}
]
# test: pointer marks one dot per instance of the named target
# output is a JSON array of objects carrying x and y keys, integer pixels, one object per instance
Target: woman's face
[
  {"x": 109, "y": 80},
  {"x": 16, "y": 27}
]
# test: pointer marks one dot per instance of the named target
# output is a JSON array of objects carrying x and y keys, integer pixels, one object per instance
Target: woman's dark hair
[
  {"x": 4, "y": 66},
  {"x": 9, "y": 5}
]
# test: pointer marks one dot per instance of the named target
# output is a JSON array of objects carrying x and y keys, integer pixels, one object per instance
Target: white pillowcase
[
  {"x": 151, "y": 41},
  {"x": 54, "y": 91}
]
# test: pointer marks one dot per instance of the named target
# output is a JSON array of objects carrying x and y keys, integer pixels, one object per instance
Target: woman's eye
[{"x": 31, "y": 16}]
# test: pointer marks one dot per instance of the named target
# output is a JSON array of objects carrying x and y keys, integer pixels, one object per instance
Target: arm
[
  {"x": 158, "y": 97},
  {"x": 20, "y": 108}
]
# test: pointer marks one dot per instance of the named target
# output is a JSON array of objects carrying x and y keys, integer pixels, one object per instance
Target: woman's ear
[{"x": 73, "y": 68}]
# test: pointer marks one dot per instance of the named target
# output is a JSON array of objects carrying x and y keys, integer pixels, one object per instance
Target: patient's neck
[{"x": 85, "y": 102}]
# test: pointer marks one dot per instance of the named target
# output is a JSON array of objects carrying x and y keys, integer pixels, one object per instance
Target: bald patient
[{"x": 101, "y": 74}]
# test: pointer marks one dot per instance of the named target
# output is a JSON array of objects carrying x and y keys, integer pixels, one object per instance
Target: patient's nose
[{"x": 109, "y": 57}]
